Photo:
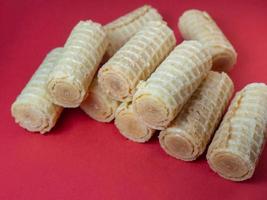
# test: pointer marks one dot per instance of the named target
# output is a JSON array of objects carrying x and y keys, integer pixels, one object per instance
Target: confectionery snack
[
  {"x": 130, "y": 126},
  {"x": 98, "y": 105},
  {"x": 136, "y": 60},
  {"x": 198, "y": 25},
  {"x": 70, "y": 79},
  {"x": 122, "y": 29},
  {"x": 190, "y": 132},
  {"x": 239, "y": 141},
  {"x": 33, "y": 108},
  {"x": 147, "y": 83},
  {"x": 159, "y": 99}
]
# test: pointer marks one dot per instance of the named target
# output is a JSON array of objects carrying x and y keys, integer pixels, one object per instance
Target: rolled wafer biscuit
[
  {"x": 98, "y": 105},
  {"x": 198, "y": 25},
  {"x": 237, "y": 144},
  {"x": 130, "y": 126},
  {"x": 33, "y": 108},
  {"x": 83, "y": 51},
  {"x": 136, "y": 60},
  {"x": 159, "y": 99},
  {"x": 190, "y": 132},
  {"x": 122, "y": 29}
]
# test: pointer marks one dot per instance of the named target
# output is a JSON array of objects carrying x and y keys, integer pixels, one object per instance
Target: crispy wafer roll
[
  {"x": 98, "y": 105},
  {"x": 159, "y": 99},
  {"x": 83, "y": 51},
  {"x": 237, "y": 144},
  {"x": 198, "y": 25},
  {"x": 33, "y": 108},
  {"x": 136, "y": 60},
  {"x": 130, "y": 126},
  {"x": 190, "y": 132},
  {"x": 122, "y": 29}
]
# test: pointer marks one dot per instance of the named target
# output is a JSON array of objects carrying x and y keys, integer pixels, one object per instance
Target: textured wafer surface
[
  {"x": 83, "y": 51},
  {"x": 200, "y": 116},
  {"x": 130, "y": 126},
  {"x": 98, "y": 105},
  {"x": 122, "y": 29},
  {"x": 136, "y": 60},
  {"x": 172, "y": 84},
  {"x": 33, "y": 108},
  {"x": 198, "y": 25},
  {"x": 241, "y": 134}
]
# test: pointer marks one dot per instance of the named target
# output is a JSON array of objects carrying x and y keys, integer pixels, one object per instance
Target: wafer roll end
[
  {"x": 152, "y": 111},
  {"x": 66, "y": 93},
  {"x": 130, "y": 126},
  {"x": 224, "y": 58},
  {"x": 229, "y": 165},
  {"x": 98, "y": 105},
  {"x": 96, "y": 108},
  {"x": 114, "y": 84},
  {"x": 178, "y": 145},
  {"x": 33, "y": 118}
]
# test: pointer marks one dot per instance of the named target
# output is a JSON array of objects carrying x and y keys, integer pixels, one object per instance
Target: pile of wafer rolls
[{"x": 132, "y": 71}]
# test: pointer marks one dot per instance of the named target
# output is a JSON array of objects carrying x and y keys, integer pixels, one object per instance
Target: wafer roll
[
  {"x": 198, "y": 25},
  {"x": 159, "y": 99},
  {"x": 122, "y": 29},
  {"x": 83, "y": 51},
  {"x": 98, "y": 105},
  {"x": 237, "y": 144},
  {"x": 190, "y": 132},
  {"x": 136, "y": 60},
  {"x": 33, "y": 108},
  {"x": 130, "y": 126}
]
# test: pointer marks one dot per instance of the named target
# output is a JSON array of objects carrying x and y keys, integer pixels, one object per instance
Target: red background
[{"x": 84, "y": 159}]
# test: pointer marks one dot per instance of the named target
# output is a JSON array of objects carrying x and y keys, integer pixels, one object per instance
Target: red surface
[{"x": 84, "y": 159}]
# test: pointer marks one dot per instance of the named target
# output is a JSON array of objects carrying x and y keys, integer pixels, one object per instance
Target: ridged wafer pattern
[
  {"x": 198, "y": 25},
  {"x": 98, "y": 105},
  {"x": 122, "y": 29},
  {"x": 83, "y": 51},
  {"x": 136, "y": 60},
  {"x": 33, "y": 108},
  {"x": 159, "y": 99},
  {"x": 190, "y": 132},
  {"x": 237, "y": 144},
  {"x": 130, "y": 126}
]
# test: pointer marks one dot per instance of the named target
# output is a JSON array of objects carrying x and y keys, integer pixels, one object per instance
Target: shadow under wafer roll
[
  {"x": 237, "y": 144},
  {"x": 33, "y": 108},
  {"x": 190, "y": 132}
]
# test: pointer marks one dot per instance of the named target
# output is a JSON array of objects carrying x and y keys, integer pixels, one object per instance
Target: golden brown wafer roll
[
  {"x": 159, "y": 99},
  {"x": 33, "y": 108},
  {"x": 190, "y": 132},
  {"x": 198, "y": 25},
  {"x": 122, "y": 29},
  {"x": 83, "y": 51},
  {"x": 237, "y": 144},
  {"x": 136, "y": 60},
  {"x": 130, "y": 126},
  {"x": 98, "y": 105}
]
